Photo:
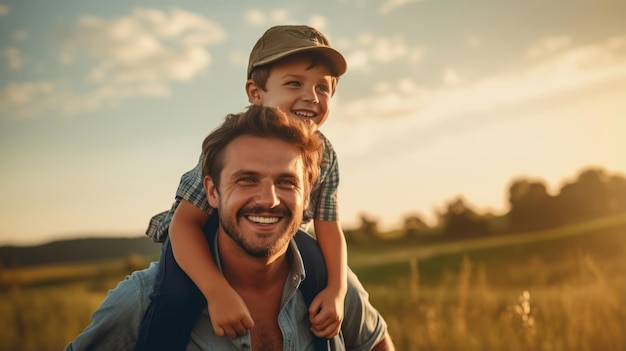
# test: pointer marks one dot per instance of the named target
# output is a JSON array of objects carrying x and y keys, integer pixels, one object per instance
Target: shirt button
[{"x": 245, "y": 346}]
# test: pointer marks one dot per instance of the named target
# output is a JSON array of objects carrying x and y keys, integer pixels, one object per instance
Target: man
[{"x": 258, "y": 168}]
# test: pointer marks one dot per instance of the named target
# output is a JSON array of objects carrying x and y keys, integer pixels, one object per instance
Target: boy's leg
[{"x": 175, "y": 305}]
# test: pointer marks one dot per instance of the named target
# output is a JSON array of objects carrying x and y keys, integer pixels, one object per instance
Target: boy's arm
[
  {"x": 229, "y": 316},
  {"x": 326, "y": 310}
]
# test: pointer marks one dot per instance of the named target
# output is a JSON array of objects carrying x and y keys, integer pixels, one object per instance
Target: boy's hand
[
  {"x": 326, "y": 313},
  {"x": 229, "y": 313}
]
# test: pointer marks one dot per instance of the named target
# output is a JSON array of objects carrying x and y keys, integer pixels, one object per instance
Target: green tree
[
  {"x": 531, "y": 207},
  {"x": 413, "y": 225},
  {"x": 461, "y": 221},
  {"x": 589, "y": 196}
]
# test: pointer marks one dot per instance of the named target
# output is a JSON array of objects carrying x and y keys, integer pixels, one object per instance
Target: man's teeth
[
  {"x": 264, "y": 220},
  {"x": 305, "y": 114}
]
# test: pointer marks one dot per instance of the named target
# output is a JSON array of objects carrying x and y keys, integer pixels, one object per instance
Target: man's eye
[
  {"x": 246, "y": 180},
  {"x": 293, "y": 83},
  {"x": 287, "y": 183}
]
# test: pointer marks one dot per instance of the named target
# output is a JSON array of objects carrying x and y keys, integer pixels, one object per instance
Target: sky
[{"x": 104, "y": 105}]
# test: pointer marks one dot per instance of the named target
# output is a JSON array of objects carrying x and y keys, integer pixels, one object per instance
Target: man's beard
[{"x": 232, "y": 229}]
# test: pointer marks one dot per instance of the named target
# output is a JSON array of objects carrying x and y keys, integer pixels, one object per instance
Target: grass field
[{"x": 561, "y": 289}]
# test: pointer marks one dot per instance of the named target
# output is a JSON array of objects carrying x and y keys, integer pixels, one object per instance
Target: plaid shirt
[{"x": 323, "y": 204}]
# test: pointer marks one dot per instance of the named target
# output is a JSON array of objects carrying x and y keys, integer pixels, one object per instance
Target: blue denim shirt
[{"x": 115, "y": 324}]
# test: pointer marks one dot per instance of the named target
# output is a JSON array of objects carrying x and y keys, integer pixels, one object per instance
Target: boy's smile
[{"x": 298, "y": 89}]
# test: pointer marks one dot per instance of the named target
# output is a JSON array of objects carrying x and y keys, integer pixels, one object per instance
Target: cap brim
[{"x": 338, "y": 61}]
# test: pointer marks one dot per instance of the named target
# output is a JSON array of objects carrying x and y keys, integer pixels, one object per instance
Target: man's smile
[{"x": 263, "y": 220}]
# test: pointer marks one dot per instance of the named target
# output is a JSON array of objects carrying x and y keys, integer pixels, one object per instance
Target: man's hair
[
  {"x": 264, "y": 122},
  {"x": 261, "y": 74}
]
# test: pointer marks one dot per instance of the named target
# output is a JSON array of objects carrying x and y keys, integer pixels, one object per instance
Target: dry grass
[
  {"x": 552, "y": 295},
  {"x": 45, "y": 318},
  {"x": 464, "y": 312}
]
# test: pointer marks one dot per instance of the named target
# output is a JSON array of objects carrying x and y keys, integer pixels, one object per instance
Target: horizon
[
  {"x": 103, "y": 106},
  {"x": 140, "y": 234}
]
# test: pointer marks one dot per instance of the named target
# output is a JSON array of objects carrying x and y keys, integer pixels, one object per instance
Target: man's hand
[
  {"x": 326, "y": 313},
  {"x": 229, "y": 313}
]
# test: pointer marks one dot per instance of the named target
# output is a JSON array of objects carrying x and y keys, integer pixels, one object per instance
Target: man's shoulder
[
  {"x": 142, "y": 281},
  {"x": 315, "y": 277}
]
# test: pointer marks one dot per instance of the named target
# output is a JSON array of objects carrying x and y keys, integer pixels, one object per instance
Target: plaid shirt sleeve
[
  {"x": 323, "y": 205},
  {"x": 191, "y": 189}
]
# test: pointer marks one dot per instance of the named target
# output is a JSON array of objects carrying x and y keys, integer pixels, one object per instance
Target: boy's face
[{"x": 296, "y": 88}]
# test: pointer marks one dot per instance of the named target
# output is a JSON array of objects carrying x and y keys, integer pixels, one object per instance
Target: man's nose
[{"x": 266, "y": 196}]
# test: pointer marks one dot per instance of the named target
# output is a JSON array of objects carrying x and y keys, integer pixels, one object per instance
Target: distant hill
[{"x": 78, "y": 250}]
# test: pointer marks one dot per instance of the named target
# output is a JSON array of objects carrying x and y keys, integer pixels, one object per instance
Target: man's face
[
  {"x": 261, "y": 195},
  {"x": 298, "y": 89}
]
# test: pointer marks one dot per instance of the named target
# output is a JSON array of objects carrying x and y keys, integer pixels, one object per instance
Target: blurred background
[
  {"x": 481, "y": 148},
  {"x": 104, "y": 105}
]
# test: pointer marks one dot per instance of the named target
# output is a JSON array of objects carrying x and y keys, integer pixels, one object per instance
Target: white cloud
[
  {"x": 318, "y": 21},
  {"x": 473, "y": 41},
  {"x": 149, "y": 45},
  {"x": 13, "y": 57},
  {"x": 569, "y": 70},
  {"x": 548, "y": 45},
  {"x": 386, "y": 50},
  {"x": 255, "y": 17},
  {"x": 19, "y": 93},
  {"x": 390, "y": 5},
  {"x": 4, "y": 10},
  {"x": 31, "y": 99},
  {"x": 410, "y": 123},
  {"x": 369, "y": 50},
  {"x": 415, "y": 55},
  {"x": 20, "y": 100},
  {"x": 139, "y": 55},
  {"x": 189, "y": 28},
  {"x": 279, "y": 15},
  {"x": 20, "y": 35},
  {"x": 260, "y": 18},
  {"x": 451, "y": 77},
  {"x": 358, "y": 60},
  {"x": 391, "y": 100},
  {"x": 239, "y": 59}
]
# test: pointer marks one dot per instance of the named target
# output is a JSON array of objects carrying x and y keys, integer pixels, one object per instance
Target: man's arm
[
  {"x": 385, "y": 344},
  {"x": 115, "y": 324},
  {"x": 363, "y": 327}
]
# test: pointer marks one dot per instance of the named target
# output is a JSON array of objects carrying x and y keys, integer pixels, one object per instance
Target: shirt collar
[{"x": 297, "y": 271}]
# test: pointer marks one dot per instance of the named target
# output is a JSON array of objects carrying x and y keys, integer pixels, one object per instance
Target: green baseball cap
[{"x": 282, "y": 41}]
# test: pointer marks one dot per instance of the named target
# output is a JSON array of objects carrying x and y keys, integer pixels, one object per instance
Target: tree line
[{"x": 593, "y": 193}]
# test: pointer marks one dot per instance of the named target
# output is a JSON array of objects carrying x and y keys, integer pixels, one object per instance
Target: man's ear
[
  {"x": 212, "y": 194},
  {"x": 254, "y": 93}
]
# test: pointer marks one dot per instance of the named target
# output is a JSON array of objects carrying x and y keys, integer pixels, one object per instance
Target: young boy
[{"x": 295, "y": 69}]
